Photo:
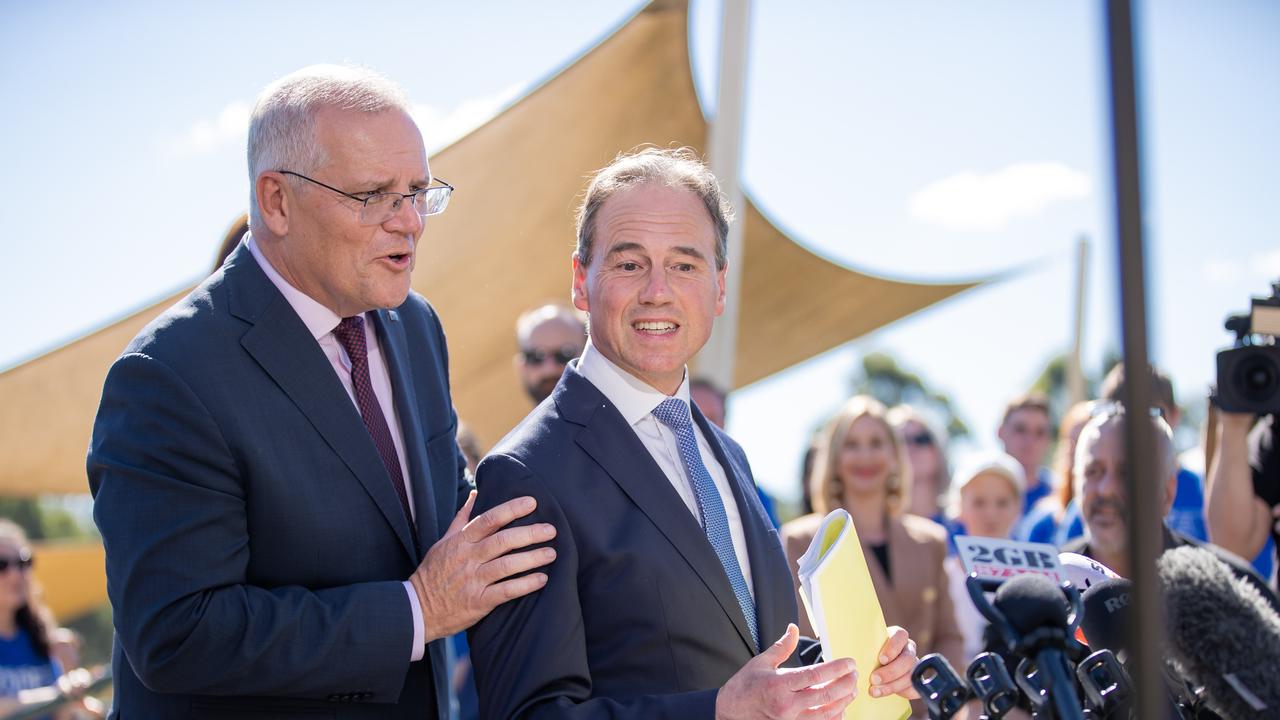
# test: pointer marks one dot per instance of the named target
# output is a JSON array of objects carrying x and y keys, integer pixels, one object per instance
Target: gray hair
[
  {"x": 679, "y": 168},
  {"x": 282, "y": 128},
  {"x": 1166, "y": 456}
]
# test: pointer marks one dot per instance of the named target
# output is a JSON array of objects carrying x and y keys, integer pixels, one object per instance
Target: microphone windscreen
[
  {"x": 1107, "y": 614},
  {"x": 1030, "y": 602},
  {"x": 1223, "y": 635},
  {"x": 1083, "y": 571}
]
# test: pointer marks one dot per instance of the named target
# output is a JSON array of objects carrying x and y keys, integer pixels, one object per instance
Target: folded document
[{"x": 843, "y": 610}]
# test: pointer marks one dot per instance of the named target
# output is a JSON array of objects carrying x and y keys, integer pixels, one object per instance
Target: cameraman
[{"x": 1244, "y": 483}]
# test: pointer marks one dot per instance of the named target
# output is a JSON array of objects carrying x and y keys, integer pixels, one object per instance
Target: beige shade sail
[
  {"x": 71, "y": 577},
  {"x": 504, "y": 246}
]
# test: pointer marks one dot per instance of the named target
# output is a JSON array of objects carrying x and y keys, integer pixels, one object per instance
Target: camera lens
[{"x": 1256, "y": 377}]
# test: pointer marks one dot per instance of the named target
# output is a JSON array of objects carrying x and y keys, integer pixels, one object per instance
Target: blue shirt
[
  {"x": 1037, "y": 524},
  {"x": 21, "y": 668}
]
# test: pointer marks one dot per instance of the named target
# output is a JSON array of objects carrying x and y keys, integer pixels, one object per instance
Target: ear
[
  {"x": 580, "y": 299},
  {"x": 721, "y": 288},
  {"x": 273, "y": 202}
]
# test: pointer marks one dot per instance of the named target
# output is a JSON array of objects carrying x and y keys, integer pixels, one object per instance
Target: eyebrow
[{"x": 624, "y": 247}]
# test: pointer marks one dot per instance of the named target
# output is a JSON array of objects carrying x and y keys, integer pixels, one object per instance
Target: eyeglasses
[
  {"x": 377, "y": 208},
  {"x": 22, "y": 562},
  {"x": 923, "y": 439},
  {"x": 534, "y": 356}
]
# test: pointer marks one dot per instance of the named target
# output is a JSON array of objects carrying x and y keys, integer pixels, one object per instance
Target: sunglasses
[
  {"x": 22, "y": 562},
  {"x": 561, "y": 356},
  {"x": 923, "y": 439}
]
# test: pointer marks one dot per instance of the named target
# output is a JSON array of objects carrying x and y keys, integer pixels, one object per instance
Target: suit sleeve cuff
[{"x": 419, "y": 632}]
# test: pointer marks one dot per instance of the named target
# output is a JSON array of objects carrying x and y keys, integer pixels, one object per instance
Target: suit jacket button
[{"x": 334, "y": 697}]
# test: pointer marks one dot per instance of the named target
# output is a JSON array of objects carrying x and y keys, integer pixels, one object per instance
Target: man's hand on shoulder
[
  {"x": 469, "y": 571},
  {"x": 762, "y": 689}
]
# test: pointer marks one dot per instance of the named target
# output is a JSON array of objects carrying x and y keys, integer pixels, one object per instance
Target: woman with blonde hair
[{"x": 861, "y": 466}]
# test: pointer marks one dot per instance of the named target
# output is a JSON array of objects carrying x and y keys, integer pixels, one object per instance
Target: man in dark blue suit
[
  {"x": 670, "y": 596},
  {"x": 274, "y": 464}
]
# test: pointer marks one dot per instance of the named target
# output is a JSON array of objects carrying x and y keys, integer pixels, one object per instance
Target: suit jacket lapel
[
  {"x": 613, "y": 444},
  {"x": 395, "y": 350},
  {"x": 281, "y": 344}
]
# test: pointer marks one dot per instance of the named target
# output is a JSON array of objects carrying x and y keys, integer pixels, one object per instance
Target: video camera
[{"x": 1249, "y": 372}]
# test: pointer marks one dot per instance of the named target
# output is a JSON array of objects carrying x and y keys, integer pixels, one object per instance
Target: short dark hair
[
  {"x": 1161, "y": 387},
  {"x": 675, "y": 168},
  {"x": 1026, "y": 401}
]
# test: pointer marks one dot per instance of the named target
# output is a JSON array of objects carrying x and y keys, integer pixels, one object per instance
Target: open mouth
[
  {"x": 655, "y": 327},
  {"x": 399, "y": 259}
]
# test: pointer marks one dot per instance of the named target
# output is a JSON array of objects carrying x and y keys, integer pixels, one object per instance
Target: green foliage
[
  {"x": 882, "y": 378},
  {"x": 44, "y": 519}
]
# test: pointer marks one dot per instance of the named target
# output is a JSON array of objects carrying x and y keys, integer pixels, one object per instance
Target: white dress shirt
[
  {"x": 636, "y": 400},
  {"x": 321, "y": 322}
]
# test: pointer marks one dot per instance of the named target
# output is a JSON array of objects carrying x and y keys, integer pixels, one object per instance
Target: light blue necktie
[{"x": 674, "y": 413}]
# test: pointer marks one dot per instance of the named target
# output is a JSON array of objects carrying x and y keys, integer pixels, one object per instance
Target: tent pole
[{"x": 716, "y": 361}]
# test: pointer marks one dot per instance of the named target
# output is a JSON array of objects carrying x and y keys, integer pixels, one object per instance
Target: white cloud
[
  {"x": 442, "y": 127},
  {"x": 974, "y": 201},
  {"x": 1256, "y": 271},
  {"x": 227, "y": 131}
]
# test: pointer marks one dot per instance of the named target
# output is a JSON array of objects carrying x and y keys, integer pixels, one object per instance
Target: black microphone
[
  {"x": 1038, "y": 612},
  {"x": 1223, "y": 635},
  {"x": 1107, "y": 615},
  {"x": 942, "y": 690}
]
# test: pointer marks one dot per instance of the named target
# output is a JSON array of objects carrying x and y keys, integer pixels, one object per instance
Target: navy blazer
[
  {"x": 637, "y": 619},
  {"x": 255, "y": 545}
]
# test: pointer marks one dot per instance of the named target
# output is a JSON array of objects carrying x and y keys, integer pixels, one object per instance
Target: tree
[{"x": 882, "y": 378}]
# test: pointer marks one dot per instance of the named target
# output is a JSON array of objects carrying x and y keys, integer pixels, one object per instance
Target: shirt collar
[
  {"x": 320, "y": 320},
  {"x": 633, "y": 397}
]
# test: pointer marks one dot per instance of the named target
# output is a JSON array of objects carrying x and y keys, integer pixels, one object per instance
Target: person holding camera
[
  {"x": 1244, "y": 484},
  {"x": 1243, "y": 505}
]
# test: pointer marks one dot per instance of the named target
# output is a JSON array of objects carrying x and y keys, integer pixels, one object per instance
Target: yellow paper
[{"x": 845, "y": 613}]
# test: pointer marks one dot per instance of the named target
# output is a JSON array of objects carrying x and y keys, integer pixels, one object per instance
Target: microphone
[
  {"x": 1107, "y": 615},
  {"x": 1082, "y": 571},
  {"x": 1037, "y": 611},
  {"x": 942, "y": 690},
  {"x": 1223, "y": 635}
]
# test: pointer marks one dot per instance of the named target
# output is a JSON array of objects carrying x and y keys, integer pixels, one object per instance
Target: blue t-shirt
[
  {"x": 1036, "y": 524},
  {"x": 21, "y": 668}
]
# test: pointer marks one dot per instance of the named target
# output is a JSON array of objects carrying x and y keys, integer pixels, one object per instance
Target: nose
[
  {"x": 405, "y": 220},
  {"x": 656, "y": 289}
]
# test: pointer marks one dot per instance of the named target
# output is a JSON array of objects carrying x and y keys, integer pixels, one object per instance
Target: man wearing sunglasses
[
  {"x": 274, "y": 463},
  {"x": 549, "y": 337}
]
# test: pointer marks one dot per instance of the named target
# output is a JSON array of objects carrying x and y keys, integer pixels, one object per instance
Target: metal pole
[
  {"x": 716, "y": 360},
  {"x": 1144, "y": 522},
  {"x": 1075, "y": 375}
]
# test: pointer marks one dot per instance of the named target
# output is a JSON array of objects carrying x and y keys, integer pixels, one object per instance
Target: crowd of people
[{"x": 296, "y": 522}]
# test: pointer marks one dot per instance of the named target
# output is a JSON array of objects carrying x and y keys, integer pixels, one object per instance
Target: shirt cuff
[{"x": 419, "y": 632}]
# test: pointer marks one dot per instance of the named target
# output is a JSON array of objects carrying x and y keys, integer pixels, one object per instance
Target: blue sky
[{"x": 930, "y": 140}]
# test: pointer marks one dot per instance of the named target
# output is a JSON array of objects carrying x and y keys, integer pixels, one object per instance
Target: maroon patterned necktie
[{"x": 350, "y": 332}]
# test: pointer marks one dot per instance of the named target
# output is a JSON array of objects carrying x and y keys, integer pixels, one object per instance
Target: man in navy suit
[
  {"x": 670, "y": 596},
  {"x": 274, "y": 466}
]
